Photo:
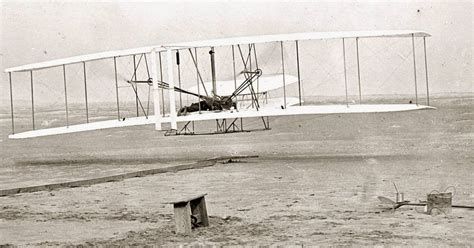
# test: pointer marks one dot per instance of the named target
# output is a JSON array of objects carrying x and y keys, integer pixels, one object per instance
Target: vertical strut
[
  {"x": 32, "y": 100},
  {"x": 11, "y": 102},
  {"x": 345, "y": 70},
  {"x": 85, "y": 91},
  {"x": 283, "y": 71},
  {"x": 135, "y": 79},
  {"x": 65, "y": 96},
  {"x": 116, "y": 89},
  {"x": 179, "y": 79},
  {"x": 156, "y": 92},
  {"x": 169, "y": 58},
  {"x": 235, "y": 75},
  {"x": 414, "y": 67},
  {"x": 426, "y": 72},
  {"x": 162, "y": 89},
  {"x": 149, "y": 88},
  {"x": 298, "y": 69},
  {"x": 249, "y": 59},
  {"x": 358, "y": 70},
  {"x": 213, "y": 71},
  {"x": 197, "y": 78},
  {"x": 233, "y": 66}
]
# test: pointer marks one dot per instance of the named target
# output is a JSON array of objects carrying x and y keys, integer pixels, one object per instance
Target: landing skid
[
  {"x": 186, "y": 130},
  {"x": 235, "y": 125}
]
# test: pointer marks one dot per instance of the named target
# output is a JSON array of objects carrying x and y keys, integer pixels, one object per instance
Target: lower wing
[{"x": 226, "y": 114}]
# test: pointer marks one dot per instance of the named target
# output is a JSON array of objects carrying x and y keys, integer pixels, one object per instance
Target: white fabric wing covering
[
  {"x": 208, "y": 115},
  {"x": 221, "y": 42}
]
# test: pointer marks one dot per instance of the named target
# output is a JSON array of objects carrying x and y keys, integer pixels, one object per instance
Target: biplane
[{"x": 244, "y": 95}]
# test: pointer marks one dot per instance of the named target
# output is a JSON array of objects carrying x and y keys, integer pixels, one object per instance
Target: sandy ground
[{"x": 316, "y": 181}]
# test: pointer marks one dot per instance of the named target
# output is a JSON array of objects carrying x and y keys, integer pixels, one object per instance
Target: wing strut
[
  {"x": 179, "y": 78},
  {"x": 32, "y": 100},
  {"x": 426, "y": 72},
  {"x": 116, "y": 88},
  {"x": 65, "y": 96},
  {"x": 213, "y": 71},
  {"x": 235, "y": 76},
  {"x": 85, "y": 91},
  {"x": 173, "y": 116},
  {"x": 358, "y": 70},
  {"x": 252, "y": 92},
  {"x": 11, "y": 101},
  {"x": 156, "y": 93},
  {"x": 345, "y": 70},
  {"x": 298, "y": 69},
  {"x": 414, "y": 67},
  {"x": 283, "y": 72},
  {"x": 134, "y": 77},
  {"x": 148, "y": 98},
  {"x": 162, "y": 90}
]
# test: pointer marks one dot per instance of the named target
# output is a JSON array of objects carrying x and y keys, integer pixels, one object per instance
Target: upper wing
[
  {"x": 80, "y": 59},
  {"x": 299, "y": 37},
  {"x": 220, "y": 42}
]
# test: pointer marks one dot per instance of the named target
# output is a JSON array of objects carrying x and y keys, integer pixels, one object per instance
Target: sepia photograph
[{"x": 236, "y": 123}]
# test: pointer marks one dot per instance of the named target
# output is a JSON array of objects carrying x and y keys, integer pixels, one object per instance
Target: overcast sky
[{"x": 34, "y": 32}]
